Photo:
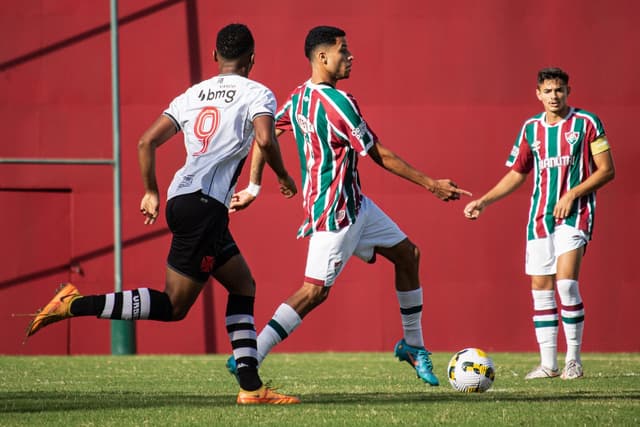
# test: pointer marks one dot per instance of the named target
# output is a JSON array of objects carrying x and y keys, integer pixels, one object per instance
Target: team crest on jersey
[
  {"x": 572, "y": 137},
  {"x": 304, "y": 124}
]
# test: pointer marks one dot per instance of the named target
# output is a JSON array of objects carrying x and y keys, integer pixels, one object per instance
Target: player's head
[
  {"x": 319, "y": 36},
  {"x": 553, "y": 90},
  {"x": 326, "y": 48},
  {"x": 553, "y": 73},
  {"x": 234, "y": 41}
]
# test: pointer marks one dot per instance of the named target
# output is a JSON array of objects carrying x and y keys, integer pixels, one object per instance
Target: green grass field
[{"x": 337, "y": 389}]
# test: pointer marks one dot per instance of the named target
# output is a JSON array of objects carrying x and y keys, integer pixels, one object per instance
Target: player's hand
[
  {"x": 445, "y": 190},
  {"x": 241, "y": 200},
  {"x": 149, "y": 207},
  {"x": 563, "y": 207},
  {"x": 473, "y": 209},
  {"x": 287, "y": 187}
]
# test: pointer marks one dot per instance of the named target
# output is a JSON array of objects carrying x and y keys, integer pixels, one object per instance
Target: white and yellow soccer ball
[{"x": 471, "y": 371}]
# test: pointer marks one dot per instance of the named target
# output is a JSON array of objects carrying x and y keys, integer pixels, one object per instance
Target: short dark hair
[
  {"x": 552, "y": 73},
  {"x": 234, "y": 40},
  {"x": 321, "y": 35}
]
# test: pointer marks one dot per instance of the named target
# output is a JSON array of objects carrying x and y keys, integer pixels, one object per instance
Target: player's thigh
[
  {"x": 182, "y": 291},
  {"x": 197, "y": 223},
  {"x": 380, "y": 233},
  {"x": 328, "y": 253},
  {"x": 540, "y": 259},
  {"x": 570, "y": 244}
]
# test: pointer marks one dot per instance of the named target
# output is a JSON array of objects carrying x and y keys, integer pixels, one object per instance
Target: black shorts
[{"x": 201, "y": 239}]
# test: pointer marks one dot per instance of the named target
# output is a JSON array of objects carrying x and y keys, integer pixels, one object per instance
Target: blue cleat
[
  {"x": 232, "y": 367},
  {"x": 418, "y": 358}
]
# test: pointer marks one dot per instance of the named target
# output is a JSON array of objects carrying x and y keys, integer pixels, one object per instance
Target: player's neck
[
  {"x": 320, "y": 76},
  {"x": 233, "y": 68},
  {"x": 552, "y": 118}
]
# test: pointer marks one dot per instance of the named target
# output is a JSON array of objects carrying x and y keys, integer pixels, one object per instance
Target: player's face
[
  {"x": 339, "y": 59},
  {"x": 554, "y": 94}
]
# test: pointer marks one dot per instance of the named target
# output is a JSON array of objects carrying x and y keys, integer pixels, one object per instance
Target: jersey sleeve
[
  {"x": 347, "y": 121},
  {"x": 598, "y": 142},
  {"x": 264, "y": 103},
  {"x": 283, "y": 117},
  {"x": 175, "y": 110},
  {"x": 521, "y": 158}
]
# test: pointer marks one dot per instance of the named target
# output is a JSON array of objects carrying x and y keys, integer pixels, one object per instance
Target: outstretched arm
[
  {"x": 508, "y": 184},
  {"x": 157, "y": 134},
  {"x": 443, "y": 189}
]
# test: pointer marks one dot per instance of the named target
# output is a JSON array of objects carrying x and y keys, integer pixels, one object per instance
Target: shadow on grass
[{"x": 31, "y": 402}]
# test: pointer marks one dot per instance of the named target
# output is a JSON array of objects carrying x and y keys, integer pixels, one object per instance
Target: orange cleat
[
  {"x": 56, "y": 310},
  {"x": 264, "y": 395}
]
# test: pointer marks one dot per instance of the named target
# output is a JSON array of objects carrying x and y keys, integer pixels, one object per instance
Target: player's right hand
[
  {"x": 241, "y": 200},
  {"x": 445, "y": 190}
]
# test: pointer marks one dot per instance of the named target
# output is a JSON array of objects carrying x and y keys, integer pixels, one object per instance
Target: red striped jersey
[
  {"x": 562, "y": 157},
  {"x": 330, "y": 133}
]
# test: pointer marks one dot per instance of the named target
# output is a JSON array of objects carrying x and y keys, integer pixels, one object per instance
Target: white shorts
[
  {"x": 329, "y": 251},
  {"x": 542, "y": 254}
]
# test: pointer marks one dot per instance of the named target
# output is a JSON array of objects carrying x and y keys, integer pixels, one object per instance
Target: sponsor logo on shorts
[{"x": 206, "y": 265}]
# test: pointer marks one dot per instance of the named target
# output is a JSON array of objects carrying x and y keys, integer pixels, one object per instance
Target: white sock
[
  {"x": 285, "y": 320},
  {"x": 545, "y": 321},
  {"x": 411, "y": 314},
  {"x": 572, "y": 317}
]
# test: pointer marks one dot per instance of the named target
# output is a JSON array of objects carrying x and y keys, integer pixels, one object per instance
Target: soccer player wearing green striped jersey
[
  {"x": 341, "y": 221},
  {"x": 568, "y": 151}
]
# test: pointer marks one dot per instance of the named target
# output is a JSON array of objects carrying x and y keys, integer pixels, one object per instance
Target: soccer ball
[{"x": 471, "y": 371}]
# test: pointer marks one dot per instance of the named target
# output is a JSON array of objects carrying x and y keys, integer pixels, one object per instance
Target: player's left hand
[
  {"x": 445, "y": 190},
  {"x": 241, "y": 200},
  {"x": 287, "y": 187}
]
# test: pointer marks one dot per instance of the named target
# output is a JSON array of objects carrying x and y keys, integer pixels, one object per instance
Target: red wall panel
[{"x": 446, "y": 85}]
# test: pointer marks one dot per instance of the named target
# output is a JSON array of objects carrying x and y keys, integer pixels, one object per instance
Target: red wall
[{"x": 446, "y": 85}]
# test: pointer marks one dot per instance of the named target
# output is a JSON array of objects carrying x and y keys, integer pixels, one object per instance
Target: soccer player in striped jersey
[
  {"x": 341, "y": 221},
  {"x": 569, "y": 154},
  {"x": 219, "y": 118}
]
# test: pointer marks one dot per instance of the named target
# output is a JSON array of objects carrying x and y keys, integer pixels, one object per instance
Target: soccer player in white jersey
[
  {"x": 568, "y": 152},
  {"x": 219, "y": 118},
  {"x": 331, "y": 134}
]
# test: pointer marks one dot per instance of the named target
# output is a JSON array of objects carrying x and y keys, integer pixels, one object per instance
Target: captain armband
[{"x": 600, "y": 145}]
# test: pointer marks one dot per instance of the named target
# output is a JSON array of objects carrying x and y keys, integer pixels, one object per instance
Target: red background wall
[{"x": 444, "y": 84}]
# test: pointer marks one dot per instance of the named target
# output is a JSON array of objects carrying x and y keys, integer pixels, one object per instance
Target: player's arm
[
  {"x": 507, "y": 185},
  {"x": 265, "y": 150},
  {"x": 605, "y": 172},
  {"x": 157, "y": 134},
  {"x": 443, "y": 189}
]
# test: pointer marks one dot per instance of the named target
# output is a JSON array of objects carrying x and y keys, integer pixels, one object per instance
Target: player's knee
[
  {"x": 317, "y": 295},
  {"x": 409, "y": 255}
]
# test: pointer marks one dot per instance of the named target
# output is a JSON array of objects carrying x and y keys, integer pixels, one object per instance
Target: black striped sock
[
  {"x": 242, "y": 334},
  {"x": 136, "y": 304}
]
